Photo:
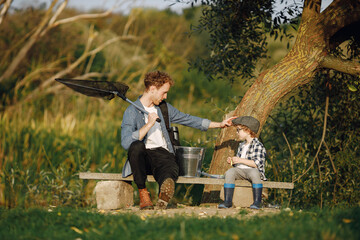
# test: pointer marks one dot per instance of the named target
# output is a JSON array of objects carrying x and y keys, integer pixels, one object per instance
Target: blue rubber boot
[
  {"x": 257, "y": 192},
  {"x": 228, "y": 195}
]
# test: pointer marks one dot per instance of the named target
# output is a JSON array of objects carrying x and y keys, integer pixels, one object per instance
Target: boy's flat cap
[{"x": 252, "y": 123}]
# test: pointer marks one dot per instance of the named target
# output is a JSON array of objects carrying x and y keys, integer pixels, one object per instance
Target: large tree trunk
[{"x": 298, "y": 67}]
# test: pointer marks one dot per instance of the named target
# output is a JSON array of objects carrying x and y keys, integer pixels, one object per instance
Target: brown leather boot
[
  {"x": 145, "y": 201},
  {"x": 166, "y": 193}
]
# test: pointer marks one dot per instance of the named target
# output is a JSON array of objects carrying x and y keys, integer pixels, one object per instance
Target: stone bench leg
[
  {"x": 113, "y": 194},
  {"x": 243, "y": 196}
]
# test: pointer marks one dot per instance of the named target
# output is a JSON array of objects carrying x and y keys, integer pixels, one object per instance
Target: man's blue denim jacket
[{"x": 134, "y": 120}]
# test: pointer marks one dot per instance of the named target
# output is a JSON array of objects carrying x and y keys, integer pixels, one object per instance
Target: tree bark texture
[{"x": 308, "y": 55}]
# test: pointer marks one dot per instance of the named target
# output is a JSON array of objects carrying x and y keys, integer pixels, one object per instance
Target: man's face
[{"x": 159, "y": 94}]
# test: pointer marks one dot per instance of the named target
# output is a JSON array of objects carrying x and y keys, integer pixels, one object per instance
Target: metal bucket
[{"x": 190, "y": 160}]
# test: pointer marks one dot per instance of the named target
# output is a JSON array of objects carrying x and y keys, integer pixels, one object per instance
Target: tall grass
[
  {"x": 41, "y": 156},
  {"x": 44, "y": 145}
]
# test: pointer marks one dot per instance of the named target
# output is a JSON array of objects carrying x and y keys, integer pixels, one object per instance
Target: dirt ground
[{"x": 195, "y": 211}]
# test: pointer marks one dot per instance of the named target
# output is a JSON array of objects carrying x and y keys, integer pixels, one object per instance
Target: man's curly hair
[{"x": 157, "y": 79}]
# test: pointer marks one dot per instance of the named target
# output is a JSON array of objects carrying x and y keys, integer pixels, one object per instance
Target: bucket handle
[{"x": 211, "y": 175}]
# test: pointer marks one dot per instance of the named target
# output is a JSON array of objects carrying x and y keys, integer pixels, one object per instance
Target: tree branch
[
  {"x": 46, "y": 24},
  {"x": 69, "y": 69},
  {"x": 36, "y": 73},
  {"x": 78, "y": 17},
  {"x": 341, "y": 65},
  {"x": 4, "y": 9},
  {"x": 344, "y": 34},
  {"x": 311, "y": 10},
  {"x": 340, "y": 14},
  {"x": 54, "y": 23},
  {"x": 331, "y": 7},
  {"x": 27, "y": 46},
  {"x": 313, "y": 5},
  {"x": 56, "y": 14},
  {"x": 82, "y": 58}
]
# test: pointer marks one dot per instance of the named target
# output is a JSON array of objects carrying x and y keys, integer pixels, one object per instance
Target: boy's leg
[
  {"x": 233, "y": 174},
  {"x": 254, "y": 176},
  {"x": 230, "y": 176}
]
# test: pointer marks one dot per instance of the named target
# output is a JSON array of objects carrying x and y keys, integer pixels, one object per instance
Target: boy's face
[{"x": 241, "y": 133}]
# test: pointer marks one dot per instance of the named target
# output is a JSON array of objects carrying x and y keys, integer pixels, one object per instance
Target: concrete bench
[{"x": 113, "y": 191}]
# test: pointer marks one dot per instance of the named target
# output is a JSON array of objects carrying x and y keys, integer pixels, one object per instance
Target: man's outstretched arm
[{"x": 223, "y": 124}]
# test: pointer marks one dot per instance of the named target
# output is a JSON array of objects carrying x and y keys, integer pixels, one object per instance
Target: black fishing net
[{"x": 102, "y": 89}]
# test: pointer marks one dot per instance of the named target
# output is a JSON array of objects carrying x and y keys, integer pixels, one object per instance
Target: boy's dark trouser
[{"x": 159, "y": 162}]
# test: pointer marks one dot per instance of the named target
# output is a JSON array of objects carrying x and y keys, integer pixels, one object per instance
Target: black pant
[{"x": 159, "y": 162}]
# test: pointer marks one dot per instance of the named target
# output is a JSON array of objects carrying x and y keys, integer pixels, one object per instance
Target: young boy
[{"x": 248, "y": 163}]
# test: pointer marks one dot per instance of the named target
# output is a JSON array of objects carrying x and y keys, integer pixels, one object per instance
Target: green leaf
[{"x": 352, "y": 88}]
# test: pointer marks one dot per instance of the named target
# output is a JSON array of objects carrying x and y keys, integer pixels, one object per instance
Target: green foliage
[
  {"x": 330, "y": 178},
  {"x": 238, "y": 35},
  {"x": 197, "y": 88},
  {"x": 47, "y": 140},
  {"x": 69, "y": 223},
  {"x": 98, "y": 63}
]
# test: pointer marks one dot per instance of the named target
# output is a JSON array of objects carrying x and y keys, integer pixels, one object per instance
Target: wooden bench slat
[{"x": 185, "y": 180}]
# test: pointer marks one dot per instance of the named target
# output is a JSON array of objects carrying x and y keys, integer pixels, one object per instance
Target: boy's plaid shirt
[{"x": 257, "y": 153}]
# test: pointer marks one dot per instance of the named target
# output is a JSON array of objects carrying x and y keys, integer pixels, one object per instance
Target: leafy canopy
[{"x": 238, "y": 31}]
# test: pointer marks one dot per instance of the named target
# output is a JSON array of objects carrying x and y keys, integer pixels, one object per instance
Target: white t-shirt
[
  {"x": 155, "y": 137},
  {"x": 243, "y": 155}
]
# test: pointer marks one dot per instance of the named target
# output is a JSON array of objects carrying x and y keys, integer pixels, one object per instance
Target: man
[
  {"x": 249, "y": 162},
  {"x": 148, "y": 143}
]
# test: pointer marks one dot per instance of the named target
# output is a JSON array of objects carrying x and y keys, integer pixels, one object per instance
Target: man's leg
[
  {"x": 139, "y": 163},
  {"x": 166, "y": 172}
]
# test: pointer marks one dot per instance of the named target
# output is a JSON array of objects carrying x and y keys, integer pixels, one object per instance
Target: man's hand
[
  {"x": 227, "y": 122},
  {"x": 151, "y": 122},
  {"x": 152, "y": 118}
]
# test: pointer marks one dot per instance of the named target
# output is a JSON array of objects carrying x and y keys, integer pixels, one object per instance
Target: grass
[
  {"x": 43, "y": 150},
  {"x": 42, "y": 153},
  {"x": 70, "y": 223},
  {"x": 40, "y": 159}
]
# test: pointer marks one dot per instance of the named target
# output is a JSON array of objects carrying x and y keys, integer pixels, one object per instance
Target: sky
[
  {"x": 125, "y": 5},
  {"x": 128, "y": 4}
]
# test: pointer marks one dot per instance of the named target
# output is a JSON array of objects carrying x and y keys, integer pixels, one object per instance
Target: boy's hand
[
  {"x": 230, "y": 160},
  {"x": 233, "y": 160}
]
